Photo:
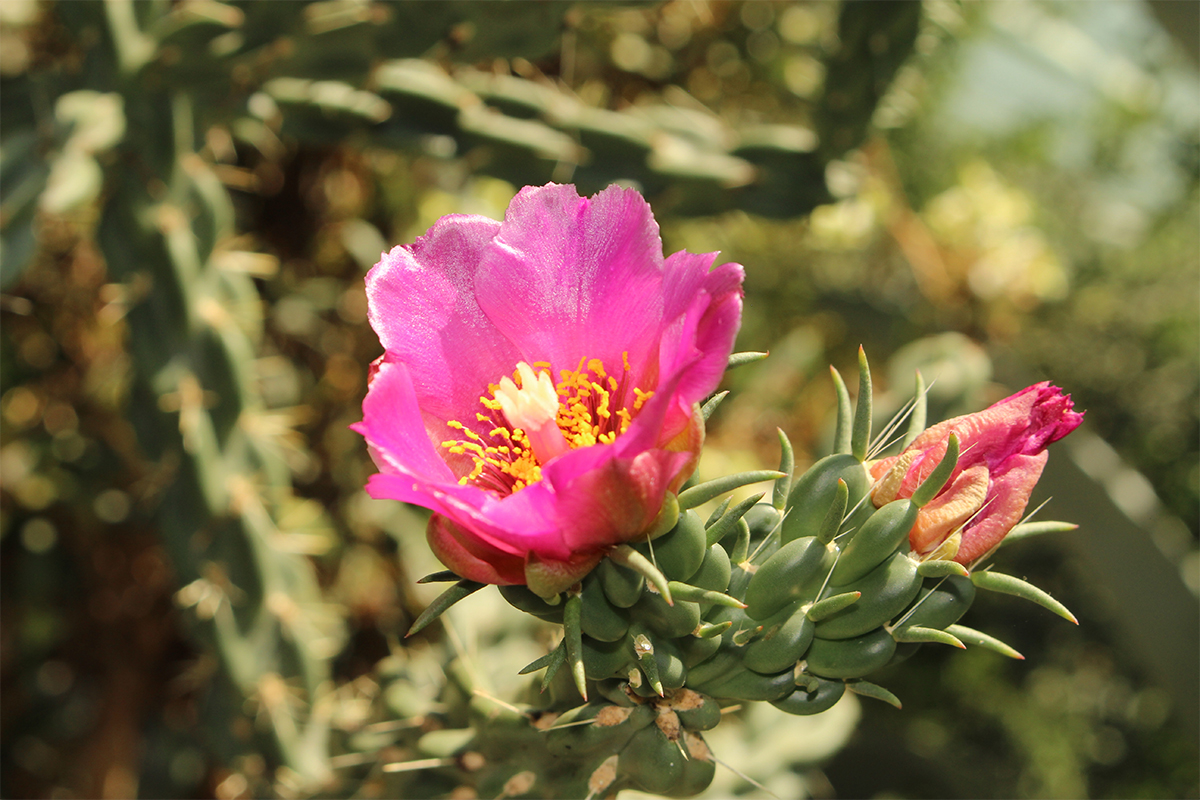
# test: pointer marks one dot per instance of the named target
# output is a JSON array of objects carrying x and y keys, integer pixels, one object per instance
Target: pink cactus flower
[
  {"x": 539, "y": 384},
  {"x": 1003, "y": 451}
]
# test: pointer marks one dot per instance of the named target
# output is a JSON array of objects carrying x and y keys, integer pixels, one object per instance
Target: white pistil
[{"x": 533, "y": 407}]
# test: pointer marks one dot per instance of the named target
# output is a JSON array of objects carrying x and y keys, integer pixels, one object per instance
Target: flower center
[{"x": 532, "y": 420}]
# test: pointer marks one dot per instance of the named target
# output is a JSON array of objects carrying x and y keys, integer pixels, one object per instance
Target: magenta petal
[
  {"x": 572, "y": 277},
  {"x": 1007, "y": 498},
  {"x": 422, "y": 304},
  {"x": 393, "y": 425}
]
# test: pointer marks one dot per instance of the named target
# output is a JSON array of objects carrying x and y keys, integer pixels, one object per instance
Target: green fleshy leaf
[
  {"x": 941, "y": 473},
  {"x": 741, "y": 547},
  {"x": 626, "y": 556},
  {"x": 941, "y": 569},
  {"x": 707, "y": 630},
  {"x": 643, "y": 648},
  {"x": 835, "y": 514},
  {"x": 841, "y": 436},
  {"x": 787, "y": 465},
  {"x": 919, "y": 634},
  {"x": 916, "y": 420},
  {"x": 868, "y": 689},
  {"x": 694, "y": 594},
  {"x": 729, "y": 520},
  {"x": 703, "y": 492},
  {"x": 444, "y": 576},
  {"x": 1027, "y": 530},
  {"x": 740, "y": 359},
  {"x": 443, "y": 602},
  {"x": 831, "y": 605},
  {"x": 860, "y": 436},
  {"x": 711, "y": 404},
  {"x": 718, "y": 513},
  {"x": 573, "y": 637},
  {"x": 558, "y": 658},
  {"x": 1007, "y": 584},
  {"x": 981, "y": 639}
]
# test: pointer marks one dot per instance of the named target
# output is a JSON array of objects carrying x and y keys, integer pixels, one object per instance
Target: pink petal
[
  {"x": 422, "y": 303},
  {"x": 1011, "y": 487},
  {"x": 571, "y": 278}
]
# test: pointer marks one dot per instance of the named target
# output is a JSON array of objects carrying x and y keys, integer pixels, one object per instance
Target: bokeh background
[{"x": 191, "y": 192}]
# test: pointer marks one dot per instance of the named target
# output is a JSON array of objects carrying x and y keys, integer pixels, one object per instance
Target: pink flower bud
[
  {"x": 540, "y": 377},
  {"x": 1002, "y": 453}
]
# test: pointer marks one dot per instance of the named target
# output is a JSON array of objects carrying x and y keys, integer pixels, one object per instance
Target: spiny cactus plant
[{"x": 792, "y": 602}]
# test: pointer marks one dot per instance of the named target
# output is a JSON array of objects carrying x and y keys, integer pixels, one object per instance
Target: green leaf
[
  {"x": 916, "y": 420},
  {"x": 868, "y": 689},
  {"x": 972, "y": 636},
  {"x": 860, "y": 436},
  {"x": 787, "y": 465},
  {"x": 941, "y": 569},
  {"x": 919, "y": 634},
  {"x": 729, "y": 520},
  {"x": 740, "y": 359},
  {"x": 442, "y": 603},
  {"x": 1007, "y": 584},
  {"x": 831, "y": 605},
  {"x": 711, "y": 404},
  {"x": 626, "y": 556},
  {"x": 703, "y": 492},
  {"x": 841, "y": 437},
  {"x": 941, "y": 473}
]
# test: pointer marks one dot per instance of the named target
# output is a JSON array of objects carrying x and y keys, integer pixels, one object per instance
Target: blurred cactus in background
[{"x": 199, "y": 599}]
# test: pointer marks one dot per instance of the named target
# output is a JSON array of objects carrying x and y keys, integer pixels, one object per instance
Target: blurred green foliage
[{"x": 1021, "y": 178}]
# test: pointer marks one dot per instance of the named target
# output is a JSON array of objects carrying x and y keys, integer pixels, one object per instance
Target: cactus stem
[
  {"x": 860, "y": 436},
  {"x": 711, "y": 404},
  {"x": 787, "y": 465},
  {"x": 703, "y": 492},
  {"x": 626, "y": 556},
  {"x": 1007, "y": 584}
]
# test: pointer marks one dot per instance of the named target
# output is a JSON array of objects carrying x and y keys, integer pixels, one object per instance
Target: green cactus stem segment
[
  {"x": 860, "y": 436},
  {"x": 941, "y": 569},
  {"x": 573, "y": 637},
  {"x": 874, "y": 691},
  {"x": 845, "y": 413},
  {"x": 920, "y": 410},
  {"x": 442, "y": 603},
  {"x": 728, "y": 521},
  {"x": 749, "y": 357},
  {"x": 703, "y": 492},
  {"x": 832, "y": 605},
  {"x": 1007, "y": 584},
  {"x": 1028, "y": 529},
  {"x": 920, "y": 635},
  {"x": 710, "y": 406},
  {"x": 941, "y": 473},
  {"x": 837, "y": 512},
  {"x": 694, "y": 594},
  {"x": 787, "y": 465},
  {"x": 981, "y": 639}
]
